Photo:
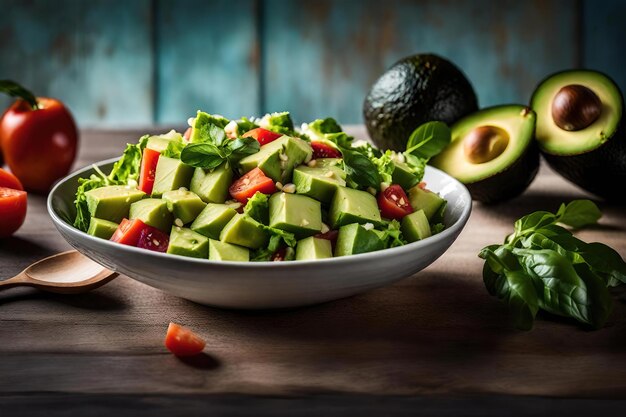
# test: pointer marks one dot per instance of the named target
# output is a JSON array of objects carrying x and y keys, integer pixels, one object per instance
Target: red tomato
[
  {"x": 330, "y": 235},
  {"x": 323, "y": 150},
  {"x": 393, "y": 203},
  {"x": 12, "y": 210},
  {"x": 245, "y": 187},
  {"x": 264, "y": 136},
  {"x": 39, "y": 145},
  {"x": 153, "y": 239},
  {"x": 279, "y": 255},
  {"x": 148, "y": 170},
  {"x": 129, "y": 232},
  {"x": 9, "y": 180},
  {"x": 183, "y": 342}
]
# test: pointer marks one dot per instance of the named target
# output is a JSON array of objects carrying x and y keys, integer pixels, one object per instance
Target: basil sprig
[{"x": 543, "y": 266}]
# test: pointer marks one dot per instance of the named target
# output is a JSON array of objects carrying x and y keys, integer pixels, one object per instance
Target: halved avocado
[
  {"x": 580, "y": 130},
  {"x": 493, "y": 152}
]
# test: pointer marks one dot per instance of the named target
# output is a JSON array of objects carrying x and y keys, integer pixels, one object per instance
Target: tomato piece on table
[
  {"x": 12, "y": 210},
  {"x": 246, "y": 186},
  {"x": 153, "y": 239},
  {"x": 129, "y": 232},
  {"x": 183, "y": 342},
  {"x": 393, "y": 203},
  {"x": 9, "y": 180},
  {"x": 148, "y": 170},
  {"x": 323, "y": 150},
  {"x": 263, "y": 136}
]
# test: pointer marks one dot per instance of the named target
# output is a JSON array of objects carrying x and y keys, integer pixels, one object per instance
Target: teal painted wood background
[{"x": 120, "y": 63}]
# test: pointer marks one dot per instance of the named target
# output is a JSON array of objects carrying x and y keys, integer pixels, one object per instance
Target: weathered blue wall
[{"x": 137, "y": 62}]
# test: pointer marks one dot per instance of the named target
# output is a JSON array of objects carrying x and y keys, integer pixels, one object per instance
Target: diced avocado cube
[
  {"x": 212, "y": 186},
  {"x": 221, "y": 251},
  {"x": 183, "y": 204},
  {"x": 112, "y": 203},
  {"x": 186, "y": 242},
  {"x": 318, "y": 182},
  {"x": 313, "y": 248},
  {"x": 353, "y": 206},
  {"x": 354, "y": 238},
  {"x": 415, "y": 226},
  {"x": 153, "y": 212},
  {"x": 243, "y": 230},
  {"x": 101, "y": 228},
  {"x": 212, "y": 220},
  {"x": 403, "y": 176},
  {"x": 298, "y": 214},
  {"x": 426, "y": 200},
  {"x": 159, "y": 142},
  {"x": 277, "y": 159},
  {"x": 171, "y": 174},
  {"x": 330, "y": 162}
]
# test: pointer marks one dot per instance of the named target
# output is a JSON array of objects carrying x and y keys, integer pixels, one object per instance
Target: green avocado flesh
[
  {"x": 243, "y": 230},
  {"x": 153, "y": 212},
  {"x": 554, "y": 140},
  {"x": 183, "y": 204},
  {"x": 427, "y": 201},
  {"x": 508, "y": 173},
  {"x": 353, "y": 206},
  {"x": 313, "y": 248},
  {"x": 415, "y": 226},
  {"x": 212, "y": 186},
  {"x": 319, "y": 182},
  {"x": 212, "y": 220},
  {"x": 171, "y": 174},
  {"x": 112, "y": 203},
  {"x": 220, "y": 251},
  {"x": 298, "y": 214},
  {"x": 416, "y": 90},
  {"x": 101, "y": 228},
  {"x": 186, "y": 242},
  {"x": 277, "y": 159},
  {"x": 354, "y": 239}
]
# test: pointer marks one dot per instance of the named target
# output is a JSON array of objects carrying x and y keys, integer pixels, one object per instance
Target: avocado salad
[{"x": 257, "y": 189}]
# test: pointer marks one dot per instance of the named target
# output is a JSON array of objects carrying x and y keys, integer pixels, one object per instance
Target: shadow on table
[{"x": 99, "y": 299}]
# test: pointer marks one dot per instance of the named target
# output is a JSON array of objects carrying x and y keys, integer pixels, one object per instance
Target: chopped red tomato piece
[
  {"x": 246, "y": 186},
  {"x": 128, "y": 232},
  {"x": 183, "y": 342},
  {"x": 148, "y": 170},
  {"x": 12, "y": 210},
  {"x": 264, "y": 136},
  {"x": 330, "y": 235},
  {"x": 9, "y": 180},
  {"x": 393, "y": 203},
  {"x": 279, "y": 255},
  {"x": 153, "y": 239},
  {"x": 323, "y": 150}
]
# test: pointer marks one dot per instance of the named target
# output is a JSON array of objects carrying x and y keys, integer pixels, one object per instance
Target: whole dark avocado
[
  {"x": 581, "y": 131},
  {"x": 415, "y": 90}
]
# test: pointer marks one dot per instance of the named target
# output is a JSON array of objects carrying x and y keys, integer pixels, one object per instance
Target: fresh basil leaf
[
  {"x": 531, "y": 223},
  {"x": 601, "y": 303},
  {"x": 208, "y": 129},
  {"x": 606, "y": 262},
  {"x": 202, "y": 155},
  {"x": 429, "y": 139},
  {"x": 242, "y": 147},
  {"x": 341, "y": 139},
  {"x": 173, "y": 149},
  {"x": 257, "y": 207},
  {"x": 359, "y": 169},
  {"x": 578, "y": 213},
  {"x": 278, "y": 237}
]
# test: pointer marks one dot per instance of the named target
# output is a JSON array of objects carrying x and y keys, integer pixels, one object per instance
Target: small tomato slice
[
  {"x": 148, "y": 170},
  {"x": 153, "y": 239},
  {"x": 9, "y": 180},
  {"x": 246, "y": 186},
  {"x": 393, "y": 203},
  {"x": 183, "y": 342},
  {"x": 263, "y": 136},
  {"x": 12, "y": 210},
  {"x": 323, "y": 150},
  {"x": 129, "y": 232}
]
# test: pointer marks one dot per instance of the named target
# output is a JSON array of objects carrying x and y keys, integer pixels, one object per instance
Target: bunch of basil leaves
[{"x": 541, "y": 265}]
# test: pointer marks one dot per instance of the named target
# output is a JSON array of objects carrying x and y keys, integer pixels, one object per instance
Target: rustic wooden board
[
  {"x": 338, "y": 48},
  {"x": 95, "y": 56},
  {"x": 433, "y": 337},
  {"x": 207, "y": 57}
]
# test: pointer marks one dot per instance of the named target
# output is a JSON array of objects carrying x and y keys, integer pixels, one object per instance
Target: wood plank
[
  {"x": 321, "y": 57},
  {"x": 95, "y": 56},
  {"x": 207, "y": 58},
  {"x": 437, "y": 333},
  {"x": 604, "y": 33}
]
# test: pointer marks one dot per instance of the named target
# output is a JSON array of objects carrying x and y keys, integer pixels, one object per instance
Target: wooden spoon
[{"x": 64, "y": 273}]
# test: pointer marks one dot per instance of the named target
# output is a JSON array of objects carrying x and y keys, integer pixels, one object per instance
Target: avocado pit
[
  {"x": 575, "y": 107},
  {"x": 485, "y": 143}
]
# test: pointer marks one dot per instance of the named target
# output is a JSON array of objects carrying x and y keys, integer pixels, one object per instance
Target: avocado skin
[
  {"x": 508, "y": 183},
  {"x": 601, "y": 171},
  {"x": 415, "y": 90}
]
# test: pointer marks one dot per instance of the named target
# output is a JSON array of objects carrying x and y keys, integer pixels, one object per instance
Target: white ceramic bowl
[{"x": 268, "y": 284}]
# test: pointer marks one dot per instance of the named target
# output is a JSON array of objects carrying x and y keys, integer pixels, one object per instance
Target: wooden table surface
[{"x": 436, "y": 343}]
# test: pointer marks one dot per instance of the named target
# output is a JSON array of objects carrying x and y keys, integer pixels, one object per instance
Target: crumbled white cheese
[
  {"x": 178, "y": 222},
  {"x": 312, "y": 163},
  {"x": 325, "y": 228},
  {"x": 368, "y": 226},
  {"x": 304, "y": 222},
  {"x": 283, "y": 157},
  {"x": 279, "y": 185},
  {"x": 289, "y": 188},
  {"x": 231, "y": 129}
]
